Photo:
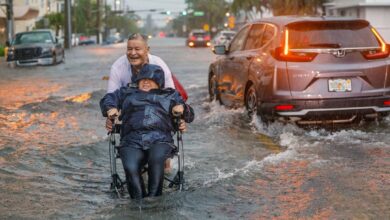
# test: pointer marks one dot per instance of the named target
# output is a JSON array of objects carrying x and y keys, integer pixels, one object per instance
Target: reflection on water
[
  {"x": 79, "y": 98},
  {"x": 15, "y": 93}
]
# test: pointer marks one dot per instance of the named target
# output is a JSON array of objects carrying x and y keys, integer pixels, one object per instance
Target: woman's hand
[
  {"x": 112, "y": 113},
  {"x": 109, "y": 124},
  {"x": 182, "y": 126},
  {"x": 177, "y": 110}
]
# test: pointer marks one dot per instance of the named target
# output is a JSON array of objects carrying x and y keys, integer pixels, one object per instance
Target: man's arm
[
  {"x": 119, "y": 74},
  {"x": 114, "y": 81}
]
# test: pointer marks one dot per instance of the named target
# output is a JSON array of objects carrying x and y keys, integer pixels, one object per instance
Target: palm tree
[
  {"x": 296, "y": 7},
  {"x": 250, "y": 7},
  {"x": 279, "y": 7},
  {"x": 56, "y": 20}
]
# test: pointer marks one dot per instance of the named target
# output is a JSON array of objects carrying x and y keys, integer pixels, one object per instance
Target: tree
[
  {"x": 53, "y": 21},
  {"x": 123, "y": 24},
  {"x": 278, "y": 7},
  {"x": 296, "y": 7},
  {"x": 83, "y": 17},
  {"x": 214, "y": 13},
  {"x": 250, "y": 7}
]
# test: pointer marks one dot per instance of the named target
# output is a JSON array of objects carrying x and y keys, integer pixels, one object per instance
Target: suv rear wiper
[{"x": 326, "y": 45}]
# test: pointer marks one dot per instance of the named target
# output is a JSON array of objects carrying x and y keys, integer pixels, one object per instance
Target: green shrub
[{"x": 1, "y": 50}]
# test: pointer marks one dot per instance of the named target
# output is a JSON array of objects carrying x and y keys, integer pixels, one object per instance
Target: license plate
[
  {"x": 340, "y": 85},
  {"x": 200, "y": 38}
]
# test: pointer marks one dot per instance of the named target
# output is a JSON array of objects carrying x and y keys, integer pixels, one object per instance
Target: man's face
[
  {"x": 147, "y": 84},
  {"x": 137, "y": 52}
]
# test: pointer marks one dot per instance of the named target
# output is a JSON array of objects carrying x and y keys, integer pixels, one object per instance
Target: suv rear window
[
  {"x": 229, "y": 35},
  {"x": 198, "y": 34},
  {"x": 331, "y": 34}
]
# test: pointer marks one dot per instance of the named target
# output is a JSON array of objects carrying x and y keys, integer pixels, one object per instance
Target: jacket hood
[{"x": 153, "y": 72}]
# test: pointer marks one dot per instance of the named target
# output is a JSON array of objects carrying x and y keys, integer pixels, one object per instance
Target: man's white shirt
[{"x": 120, "y": 74}]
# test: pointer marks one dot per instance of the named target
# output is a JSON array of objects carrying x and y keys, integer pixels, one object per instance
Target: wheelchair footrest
[
  {"x": 117, "y": 184},
  {"x": 178, "y": 180}
]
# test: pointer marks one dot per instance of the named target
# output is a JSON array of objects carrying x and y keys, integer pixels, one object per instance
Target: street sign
[
  {"x": 231, "y": 22},
  {"x": 198, "y": 13},
  {"x": 206, "y": 27}
]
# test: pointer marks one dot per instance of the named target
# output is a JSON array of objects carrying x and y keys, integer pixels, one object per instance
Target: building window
[{"x": 342, "y": 12}]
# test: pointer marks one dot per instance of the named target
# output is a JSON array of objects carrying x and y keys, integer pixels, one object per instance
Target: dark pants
[{"x": 134, "y": 160}]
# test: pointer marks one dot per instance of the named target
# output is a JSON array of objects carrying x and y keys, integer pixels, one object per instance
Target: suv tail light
[
  {"x": 207, "y": 38},
  {"x": 193, "y": 38},
  {"x": 284, "y": 107},
  {"x": 285, "y": 54},
  {"x": 379, "y": 53},
  {"x": 386, "y": 103}
]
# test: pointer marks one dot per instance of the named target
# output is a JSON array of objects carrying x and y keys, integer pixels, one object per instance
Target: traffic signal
[{"x": 231, "y": 22}]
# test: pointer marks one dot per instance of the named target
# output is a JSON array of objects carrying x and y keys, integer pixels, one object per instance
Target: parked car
[
  {"x": 113, "y": 39},
  {"x": 198, "y": 38},
  {"x": 306, "y": 70},
  {"x": 38, "y": 47},
  {"x": 223, "y": 38},
  {"x": 86, "y": 42}
]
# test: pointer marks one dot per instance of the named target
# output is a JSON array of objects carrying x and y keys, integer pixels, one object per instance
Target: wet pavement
[{"x": 54, "y": 160}]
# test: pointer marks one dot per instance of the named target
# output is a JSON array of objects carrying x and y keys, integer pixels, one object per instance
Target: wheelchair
[{"x": 117, "y": 185}]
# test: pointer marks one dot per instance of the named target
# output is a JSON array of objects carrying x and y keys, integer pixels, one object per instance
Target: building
[
  {"x": 27, "y": 12},
  {"x": 374, "y": 11}
]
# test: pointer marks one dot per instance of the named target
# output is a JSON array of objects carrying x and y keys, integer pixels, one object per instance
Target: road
[{"x": 54, "y": 160}]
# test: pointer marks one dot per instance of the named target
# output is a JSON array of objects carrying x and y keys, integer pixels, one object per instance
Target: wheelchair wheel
[
  {"x": 117, "y": 185},
  {"x": 178, "y": 179}
]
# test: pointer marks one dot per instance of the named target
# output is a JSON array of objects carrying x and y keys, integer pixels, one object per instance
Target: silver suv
[{"x": 307, "y": 70}]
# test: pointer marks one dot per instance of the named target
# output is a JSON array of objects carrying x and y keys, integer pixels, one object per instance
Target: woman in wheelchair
[{"x": 147, "y": 114}]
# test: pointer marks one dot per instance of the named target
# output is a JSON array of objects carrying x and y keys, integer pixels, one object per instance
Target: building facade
[
  {"x": 27, "y": 12},
  {"x": 375, "y": 11}
]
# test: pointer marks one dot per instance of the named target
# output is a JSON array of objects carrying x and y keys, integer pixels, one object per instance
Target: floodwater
[{"x": 54, "y": 160}]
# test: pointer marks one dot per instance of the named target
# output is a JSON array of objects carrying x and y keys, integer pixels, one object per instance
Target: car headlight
[
  {"x": 46, "y": 50},
  {"x": 10, "y": 51}
]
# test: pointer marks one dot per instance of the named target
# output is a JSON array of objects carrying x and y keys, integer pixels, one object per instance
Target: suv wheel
[
  {"x": 251, "y": 100},
  {"x": 213, "y": 93},
  {"x": 54, "y": 59}
]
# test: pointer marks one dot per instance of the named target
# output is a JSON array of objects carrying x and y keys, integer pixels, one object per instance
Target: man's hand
[
  {"x": 177, "y": 110},
  {"x": 112, "y": 113}
]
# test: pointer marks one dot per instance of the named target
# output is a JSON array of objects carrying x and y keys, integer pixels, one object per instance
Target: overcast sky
[{"x": 171, "y": 5}]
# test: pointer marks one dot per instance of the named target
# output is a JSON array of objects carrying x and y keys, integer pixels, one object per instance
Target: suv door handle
[{"x": 249, "y": 57}]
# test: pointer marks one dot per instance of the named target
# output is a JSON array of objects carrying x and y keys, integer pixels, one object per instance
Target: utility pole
[
  {"x": 105, "y": 36},
  {"x": 10, "y": 19},
  {"x": 68, "y": 25},
  {"x": 98, "y": 22}
]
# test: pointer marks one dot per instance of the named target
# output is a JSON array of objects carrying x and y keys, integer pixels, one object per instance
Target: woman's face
[
  {"x": 137, "y": 52},
  {"x": 147, "y": 84}
]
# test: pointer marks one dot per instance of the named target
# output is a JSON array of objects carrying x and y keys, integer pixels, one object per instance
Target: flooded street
[{"x": 54, "y": 161}]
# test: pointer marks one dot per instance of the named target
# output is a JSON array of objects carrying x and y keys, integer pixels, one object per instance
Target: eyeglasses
[{"x": 137, "y": 36}]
